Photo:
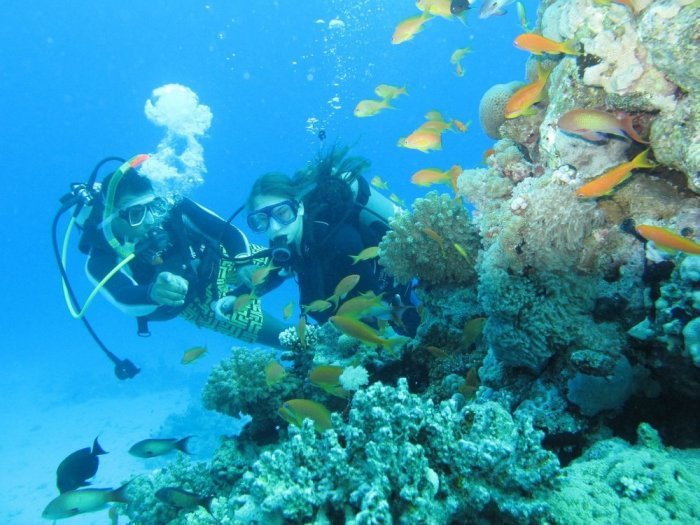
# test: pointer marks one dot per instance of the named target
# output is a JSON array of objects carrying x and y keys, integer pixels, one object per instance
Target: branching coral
[
  {"x": 426, "y": 243},
  {"x": 404, "y": 459},
  {"x": 237, "y": 386}
]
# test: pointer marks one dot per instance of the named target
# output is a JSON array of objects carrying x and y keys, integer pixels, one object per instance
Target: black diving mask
[{"x": 284, "y": 213}]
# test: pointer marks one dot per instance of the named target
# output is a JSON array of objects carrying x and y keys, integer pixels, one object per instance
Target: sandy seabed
[{"x": 34, "y": 443}]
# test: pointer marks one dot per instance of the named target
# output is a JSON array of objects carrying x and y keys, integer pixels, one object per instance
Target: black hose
[{"x": 123, "y": 368}]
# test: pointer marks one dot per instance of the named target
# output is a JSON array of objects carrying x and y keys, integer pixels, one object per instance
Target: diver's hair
[
  {"x": 273, "y": 183},
  {"x": 324, "y": 167},
  {"x": 130, "y": 183}
]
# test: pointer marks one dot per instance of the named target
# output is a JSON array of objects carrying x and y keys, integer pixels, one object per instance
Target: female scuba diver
[
  {"x": 157, "y": 259},
  {"x": 316, "y": 221}
]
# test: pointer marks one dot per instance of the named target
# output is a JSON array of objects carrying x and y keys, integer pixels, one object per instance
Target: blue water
[{"x": 75, "y": 76}]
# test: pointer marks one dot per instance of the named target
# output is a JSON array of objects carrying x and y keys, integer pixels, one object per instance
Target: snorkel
[{"x": 109, "y": 213}]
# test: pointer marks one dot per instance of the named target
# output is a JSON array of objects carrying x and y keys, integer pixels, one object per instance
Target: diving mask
[
  {"x": 136, "y": 213},
  {"x": 284, "y": 213}
]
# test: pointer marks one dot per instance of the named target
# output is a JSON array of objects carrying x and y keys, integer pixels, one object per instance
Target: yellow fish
[
  {"x": 463, "y": 253},
  {"x": 437, "y": 351},
  {"x": 319, "y": 305},
  {"x": 436, "y": 7},
  {"x": 363, "y": 332},
  {"x": 408, "y": 28},
  {"x": 366, "y": 254},
  {"x": 377, "y": 182},
  {"x": 472, "y": 330},
  {"x": 327, "y": 377},
  {"x": 606, "y": 183},
  {"x": 397, "y": 200},
  {"x": 343, "y": 288},
  {"x": 301, "y": 331},
  {"x": 191, "y": 355},
  {"x": 274, "y": 373},
  {"x": 363, "y": 306},
  {"x": 456, "y": 59},
  {"x": 471, "y": 384},
  {"x": 287, "y": 310},
  {"x": 295, "y": 411},
  {"x": 388, "y": 92},
  {"x": 369, "y": 108},
  {"x": 422, "y": 140}
]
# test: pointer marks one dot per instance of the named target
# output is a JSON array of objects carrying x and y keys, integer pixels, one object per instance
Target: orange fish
[
  {"x": 521, "y": 102},
  {"x": 422, "y": 140},
  {"x": 461, "y": 126},
  {"x": 430, "y": 176},
  {"x": 409, "y": 28},
  {"x": 487, "y": 154},
  {"x": 593, "y": 124},
  {"x": 242, "y": 301},
  {"x": 538, "y": 45},
  {"x": 434, "y": 236},
  {"x": 605, "y": 184},
  {"x": 665, "y": 239}
]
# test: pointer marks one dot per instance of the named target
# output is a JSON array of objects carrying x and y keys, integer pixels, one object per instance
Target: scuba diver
[
  {"x": 316, "y": 221},
  {"x": 157, "y": 258}
]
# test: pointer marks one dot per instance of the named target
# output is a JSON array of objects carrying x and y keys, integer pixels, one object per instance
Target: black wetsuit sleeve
[
  {"x": 121, "y": 289},
  {"x": 344, "y": 243},
  {"x": 215, "y": 228},
  {"x": 318, "y": 278}
]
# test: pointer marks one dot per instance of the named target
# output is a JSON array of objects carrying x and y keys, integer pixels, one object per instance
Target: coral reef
[
  {"x": 426, "y": 243},
  {"x": 615, "y": 483},
  {"x": 400, "y": 458},
  {"x": 492, "y": 107},
  {"x": 588, "y": 329}
]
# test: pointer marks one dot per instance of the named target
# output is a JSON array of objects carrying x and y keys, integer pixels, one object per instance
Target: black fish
[
  {"x": 77, "y": 467},
  {"x": 458, "y": 6}
]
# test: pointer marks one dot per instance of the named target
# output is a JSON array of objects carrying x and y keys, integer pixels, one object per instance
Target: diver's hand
[
  {"x": 169, "y": 289},
  {"x": 223, "y": 308}
]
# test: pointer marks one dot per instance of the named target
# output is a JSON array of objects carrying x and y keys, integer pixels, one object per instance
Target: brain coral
[
  {"x": 493, "y": 104},
  {"x": 426, "y": 243}
]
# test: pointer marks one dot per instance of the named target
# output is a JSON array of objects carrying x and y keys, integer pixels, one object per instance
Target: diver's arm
[
  {"x": 215, "y": 228},
  {"x": 121, "y": 289}
]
